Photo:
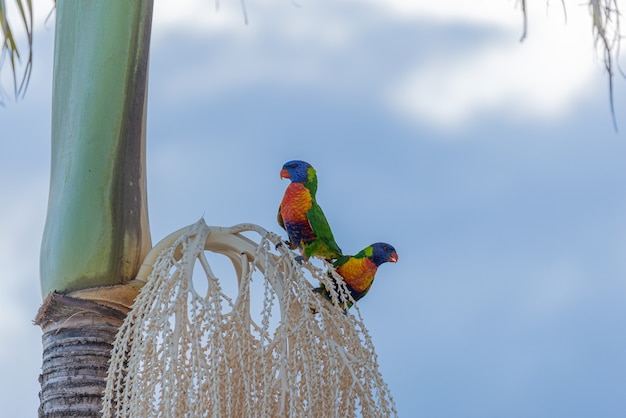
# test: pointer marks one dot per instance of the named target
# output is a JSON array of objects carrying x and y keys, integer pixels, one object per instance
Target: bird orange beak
[
  {"x": 393, "y": 258},
  {"x": 284, "y": 174}
]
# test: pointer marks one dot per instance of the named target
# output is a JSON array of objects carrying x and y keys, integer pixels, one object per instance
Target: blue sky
[{"x": 490, "y": 165}]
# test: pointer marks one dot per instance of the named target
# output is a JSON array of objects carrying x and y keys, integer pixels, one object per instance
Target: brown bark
[{"x": 77, "y": 339}]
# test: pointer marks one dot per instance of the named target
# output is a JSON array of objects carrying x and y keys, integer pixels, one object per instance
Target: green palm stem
[{"x": 96, "y": 231}]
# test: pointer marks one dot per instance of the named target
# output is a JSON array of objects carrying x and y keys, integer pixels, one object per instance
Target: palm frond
[
  {"x": 606, "y": 29},
  {"x": 525, "y": 22},
  {"x": 607, "y": 33},
  {"x": 10, "y": 50}
]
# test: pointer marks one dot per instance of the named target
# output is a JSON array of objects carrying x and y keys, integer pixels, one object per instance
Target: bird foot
[{"x": 289, "y": 245}]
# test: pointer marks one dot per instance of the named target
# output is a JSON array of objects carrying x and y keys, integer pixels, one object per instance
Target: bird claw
[
  {"x": 299, "y": 259},
  {"x": 289, "y": 245}
]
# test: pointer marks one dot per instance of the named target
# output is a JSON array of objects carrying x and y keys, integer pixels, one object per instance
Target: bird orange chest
[
  {"x": 358, "y": 273},
  {"x": 296, "y": 202}
]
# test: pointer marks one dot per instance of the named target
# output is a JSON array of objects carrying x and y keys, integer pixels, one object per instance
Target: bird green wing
[
  {"x": 279, "y": 218},
  {"x": 320, "y": 227},
  {"x": 341, "y": 261}
]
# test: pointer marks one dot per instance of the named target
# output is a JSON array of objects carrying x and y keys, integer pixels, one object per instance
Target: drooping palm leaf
[
  {"x": 607, "y": 33},
  {"x": 10, "y": 51},
  {"x": 605, "y": 24}
]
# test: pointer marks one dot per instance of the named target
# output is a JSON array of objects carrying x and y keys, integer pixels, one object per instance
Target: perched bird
[
  {"x": 301, "y": 216},
  {"x": 358, "y": 270}
]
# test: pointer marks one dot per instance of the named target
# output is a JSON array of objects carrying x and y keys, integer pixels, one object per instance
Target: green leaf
[{"x": 10, "y": 51}]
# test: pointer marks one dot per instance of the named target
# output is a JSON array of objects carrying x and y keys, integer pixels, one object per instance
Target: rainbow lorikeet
[
  {"x": 301, "y": 216},
  {"x": 358, "y": 270}
]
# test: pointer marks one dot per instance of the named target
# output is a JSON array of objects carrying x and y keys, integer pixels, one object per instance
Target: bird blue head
[
  {"x": 382, "y": 253},
  {"x": 298, "y": 171}
]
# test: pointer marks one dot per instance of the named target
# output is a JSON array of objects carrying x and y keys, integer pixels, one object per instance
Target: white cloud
[
  {"x": 540, "y": 78},
  {"x": 479, "y": 11},
  {"x": 282, "y": 44},
  {"x": 204, "y": 15},
  {"x": 201, "y": 16}
]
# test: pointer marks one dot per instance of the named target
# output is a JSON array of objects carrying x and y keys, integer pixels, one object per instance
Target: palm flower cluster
[{"x": 186, "y": 354}]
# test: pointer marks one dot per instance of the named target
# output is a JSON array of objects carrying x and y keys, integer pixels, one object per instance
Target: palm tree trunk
[
  {"x": 96, "y": 233},
  {"x": 77, "y": 341}
]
